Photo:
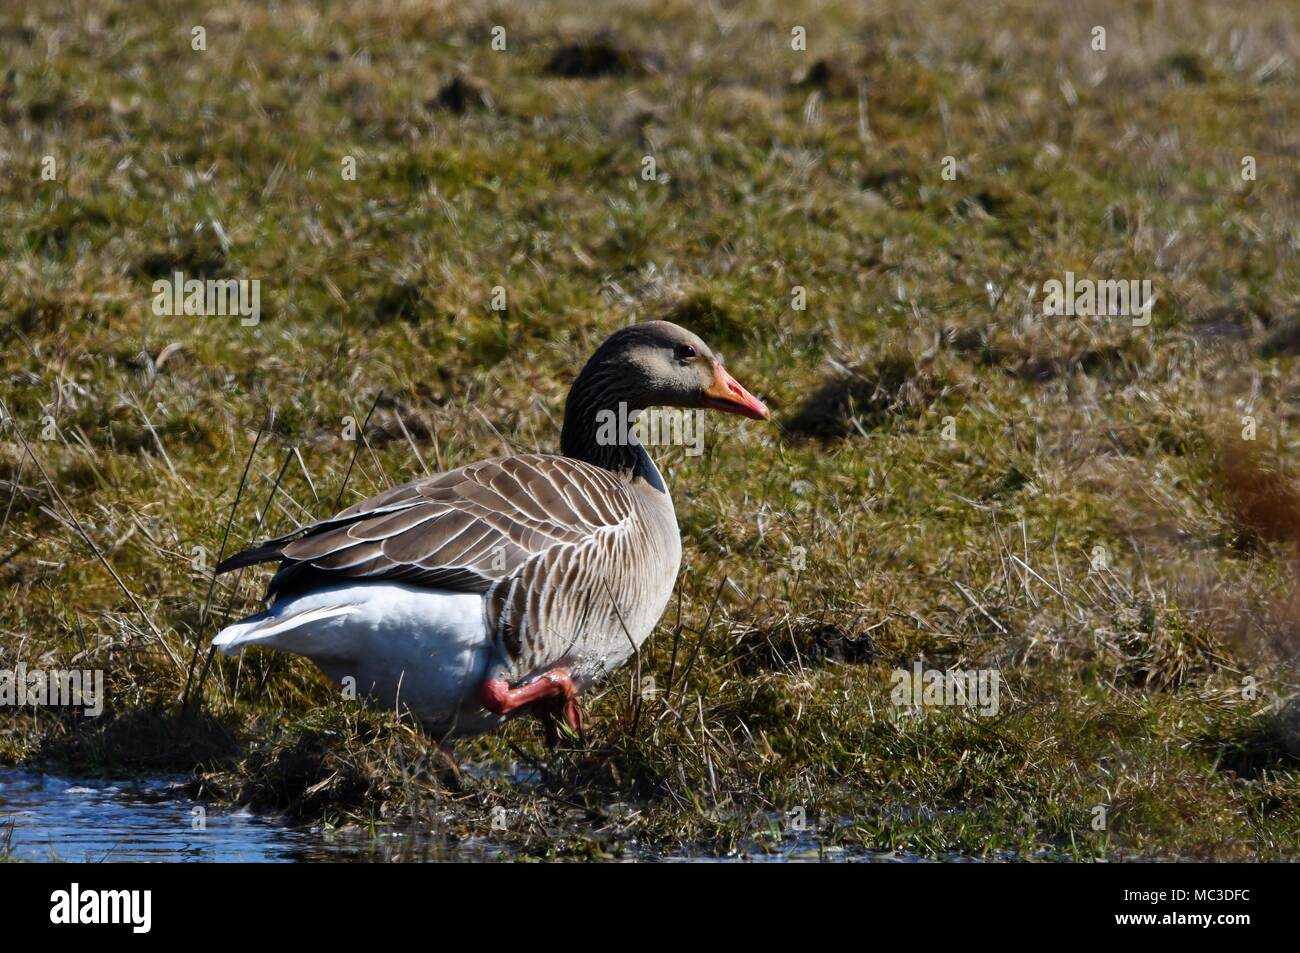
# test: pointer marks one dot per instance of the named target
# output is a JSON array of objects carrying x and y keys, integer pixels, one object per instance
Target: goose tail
[{"x": 267, "y": 628}]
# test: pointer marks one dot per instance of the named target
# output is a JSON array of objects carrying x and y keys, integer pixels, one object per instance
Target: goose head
[
  {"x": 660, "y": 364},
  {"x": 651, "y": 364}
]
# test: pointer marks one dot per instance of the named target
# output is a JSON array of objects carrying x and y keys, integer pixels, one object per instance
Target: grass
[{"x": 1096, "y": 529}]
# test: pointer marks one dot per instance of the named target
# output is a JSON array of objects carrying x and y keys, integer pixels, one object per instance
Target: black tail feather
[{"x": 264, "y": 553}]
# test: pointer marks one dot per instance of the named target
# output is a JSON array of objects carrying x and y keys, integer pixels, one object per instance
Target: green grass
[{"x": 1122, "y": 686}]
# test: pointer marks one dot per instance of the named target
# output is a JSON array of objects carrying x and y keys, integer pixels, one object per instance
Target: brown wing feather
[{"x": 463, "y": 530}]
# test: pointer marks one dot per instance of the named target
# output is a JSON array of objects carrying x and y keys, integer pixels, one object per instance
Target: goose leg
[
  {"x": 549, "y": 730},
  {"x": 497, "y": 695},
  {"x": 573, "y": 715},
  {"x": 552, "y": 711}
]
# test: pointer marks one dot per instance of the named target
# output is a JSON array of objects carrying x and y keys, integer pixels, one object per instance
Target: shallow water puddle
[
  {"x": 48, "y": 817},
  {"x": 45, "y": 817}
]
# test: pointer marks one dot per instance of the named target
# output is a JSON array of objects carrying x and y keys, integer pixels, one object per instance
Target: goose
[{"x": 507, "y": 586}]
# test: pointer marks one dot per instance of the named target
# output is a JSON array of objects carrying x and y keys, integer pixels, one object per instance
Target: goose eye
[{"x": 685, "y": 353}]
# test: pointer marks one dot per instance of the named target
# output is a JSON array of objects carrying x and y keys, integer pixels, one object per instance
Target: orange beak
[{"x": 726, "y": 394}]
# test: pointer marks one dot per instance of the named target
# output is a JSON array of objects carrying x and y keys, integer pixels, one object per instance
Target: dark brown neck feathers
[{"x": 598, "y": 408}]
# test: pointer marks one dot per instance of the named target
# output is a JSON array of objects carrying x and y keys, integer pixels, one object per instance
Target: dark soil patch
[
  {"x": 867, "y": 395},
  {"x": 794, "y": 645},
  {"x": 463, "y": 94},
  {"x": 1283, "y": 339},
  {"x": 1262, "y": 502},
  {"x": 604, "y": 55},
  {"x": 1268, "y": 742},
  {"x": 832, "y": 76}
]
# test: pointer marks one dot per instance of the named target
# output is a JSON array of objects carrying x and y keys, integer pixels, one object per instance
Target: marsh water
[
  {"x": 49, "y": 817},
  {"x": 46, "y": 817}
]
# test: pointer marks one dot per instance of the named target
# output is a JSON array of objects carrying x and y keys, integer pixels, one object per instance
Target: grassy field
[{"x": 1069, "y": 501}]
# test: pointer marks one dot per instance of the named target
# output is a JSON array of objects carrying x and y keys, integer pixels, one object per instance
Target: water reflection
[{"x": 46, "y": 817}]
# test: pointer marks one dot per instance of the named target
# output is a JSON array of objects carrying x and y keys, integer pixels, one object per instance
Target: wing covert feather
[{"x": 465, "y": 529}]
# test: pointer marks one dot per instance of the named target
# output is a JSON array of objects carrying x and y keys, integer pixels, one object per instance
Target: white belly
[{"x": 407, "y": 648}]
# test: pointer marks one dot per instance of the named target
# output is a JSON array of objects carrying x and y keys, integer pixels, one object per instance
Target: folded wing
[{"x": 463, "y": 530}]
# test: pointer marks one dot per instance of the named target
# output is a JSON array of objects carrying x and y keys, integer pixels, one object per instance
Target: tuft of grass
[{"x": 331, "y": 765}]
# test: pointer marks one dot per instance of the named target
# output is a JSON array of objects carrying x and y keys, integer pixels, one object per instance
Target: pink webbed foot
[{"x": 552, "y": 689}]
